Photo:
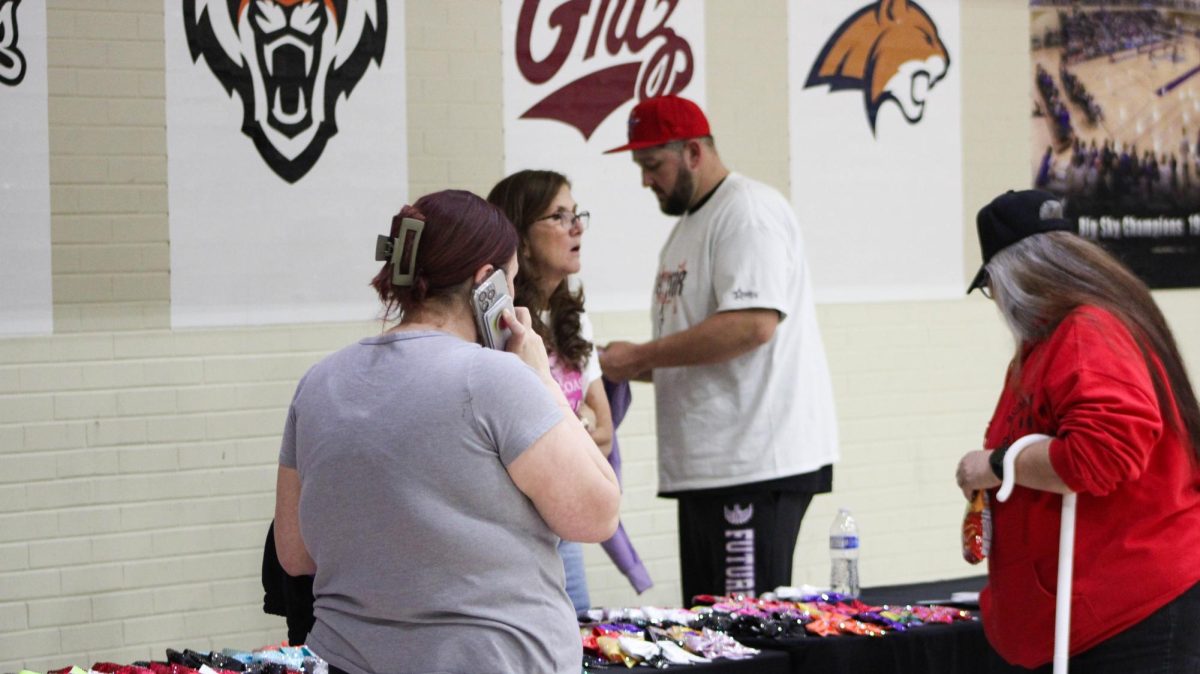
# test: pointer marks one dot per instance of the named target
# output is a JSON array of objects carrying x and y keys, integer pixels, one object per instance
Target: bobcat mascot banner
[
  {"x": 286, "y": 156},
  {"x": 573, "y": 70},
  {"x": 25, "y": 299},
  {"x": 876, "y": 132}
]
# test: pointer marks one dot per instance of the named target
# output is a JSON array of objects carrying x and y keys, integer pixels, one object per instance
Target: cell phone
[{"x": 488, "y": 300}]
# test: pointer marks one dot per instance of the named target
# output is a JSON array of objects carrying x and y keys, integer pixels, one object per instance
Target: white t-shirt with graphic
[{"x": 768, "y": 413}]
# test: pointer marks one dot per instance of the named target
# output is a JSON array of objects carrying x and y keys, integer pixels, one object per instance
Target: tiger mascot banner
[
  {"x": 25, "y": 297},
  {"x": 273, "y": 109},
  {"x": 876, "y": 133},
  {"x": 573, "y": 70}
]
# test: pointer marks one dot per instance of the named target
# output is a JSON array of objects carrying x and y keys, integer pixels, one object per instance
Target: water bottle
[{"x": 843, "y": 554}]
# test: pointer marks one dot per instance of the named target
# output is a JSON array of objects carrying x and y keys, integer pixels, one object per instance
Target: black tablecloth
[{"x": 958, "y": 648}]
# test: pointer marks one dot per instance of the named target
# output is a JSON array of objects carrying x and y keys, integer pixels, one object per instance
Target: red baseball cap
[{"x": 663, "y": 119}]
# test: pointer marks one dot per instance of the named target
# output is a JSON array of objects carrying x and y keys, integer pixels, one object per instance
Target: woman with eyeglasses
[
  {"x": 1097, "y": 370},
  {"x": 551, "y": 226}
]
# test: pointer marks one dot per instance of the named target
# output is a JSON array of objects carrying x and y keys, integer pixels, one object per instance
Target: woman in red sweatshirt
[{"x": 1096, "y": 369}]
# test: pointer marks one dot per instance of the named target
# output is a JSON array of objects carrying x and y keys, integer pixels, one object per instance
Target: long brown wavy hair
[
  {"x": 1041, "y": 279},
  {"x": 524, "y": 196}
]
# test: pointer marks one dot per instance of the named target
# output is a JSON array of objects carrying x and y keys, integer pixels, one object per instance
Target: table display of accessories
[
  {"x": 271, "y": 660},
  {"x": 657, "y": 637},
  {"x": 624, "y": 637}
]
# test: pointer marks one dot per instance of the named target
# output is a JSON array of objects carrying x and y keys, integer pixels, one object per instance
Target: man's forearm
[{"x": 718, "y": 338}]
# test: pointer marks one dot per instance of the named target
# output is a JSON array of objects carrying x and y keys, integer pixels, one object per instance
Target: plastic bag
[{"x": 977, "y": 529}]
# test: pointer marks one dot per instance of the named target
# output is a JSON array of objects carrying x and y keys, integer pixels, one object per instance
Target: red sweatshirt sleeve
[{"x": 1104, "y": 400}]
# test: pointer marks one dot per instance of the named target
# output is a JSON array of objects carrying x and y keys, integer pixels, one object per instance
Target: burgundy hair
[{"x": 462, "y": 233}]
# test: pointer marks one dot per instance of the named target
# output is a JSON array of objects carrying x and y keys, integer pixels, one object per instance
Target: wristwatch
[{"x": 996, "y": 461}]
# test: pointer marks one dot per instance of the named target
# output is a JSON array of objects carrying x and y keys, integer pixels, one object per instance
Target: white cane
[{"x": 1066, "y": 551}]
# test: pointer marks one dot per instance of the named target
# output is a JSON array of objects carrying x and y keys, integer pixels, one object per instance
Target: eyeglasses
[{"x": 566, "y": 219}]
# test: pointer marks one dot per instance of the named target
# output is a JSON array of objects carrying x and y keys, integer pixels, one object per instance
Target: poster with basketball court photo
[{"x": 1116, "y": 127}]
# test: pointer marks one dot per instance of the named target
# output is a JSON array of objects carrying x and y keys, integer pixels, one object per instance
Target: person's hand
[
  {"x": 618, "y": 361},
  {"x": 587, "y": 416},
  {"x": 975, "y": 473},
  {"x": 525, "y": 342}
]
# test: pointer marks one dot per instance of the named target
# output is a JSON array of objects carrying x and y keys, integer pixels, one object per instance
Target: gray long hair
[
  {"x": 1029, "y": 278},
  {"x": 1042, "y": 278}
]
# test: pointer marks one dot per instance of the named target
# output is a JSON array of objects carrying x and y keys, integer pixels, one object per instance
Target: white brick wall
[
  {"x": 137, "y": 463},
  {"x": 108, "y": 165},
  {"x": 454, "y": 100},
  {"x": 136, "y": 485}
]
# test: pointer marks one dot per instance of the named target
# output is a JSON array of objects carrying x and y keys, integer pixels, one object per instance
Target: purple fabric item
[{"x": 619, "y": 547}]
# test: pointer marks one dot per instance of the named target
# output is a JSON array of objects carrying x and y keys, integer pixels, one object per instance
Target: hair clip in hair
[
  {"x": 384, "y": 245},
  {"x": 403, "y": 256}
]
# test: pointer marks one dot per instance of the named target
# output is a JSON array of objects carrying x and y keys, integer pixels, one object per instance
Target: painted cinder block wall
[{"x": 137, "y": 462}]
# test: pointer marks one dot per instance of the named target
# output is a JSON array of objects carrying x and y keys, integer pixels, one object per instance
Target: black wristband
[{"x": 996, "y": 461}]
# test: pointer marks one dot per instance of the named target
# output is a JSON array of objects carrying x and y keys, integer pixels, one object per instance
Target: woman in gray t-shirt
[{"x": 415, "y": 471}]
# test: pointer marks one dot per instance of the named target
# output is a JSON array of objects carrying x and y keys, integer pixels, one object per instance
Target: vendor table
[
  {"x": 958, "y": 648},
  {"x": 939, "y": 591}
]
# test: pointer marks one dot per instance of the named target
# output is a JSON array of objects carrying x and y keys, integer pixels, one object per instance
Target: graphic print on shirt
[
  {"x": 667, "y": 289},
  {"x": 569, "y": 380},
  {"x": 290, "y": 62},
  {"x": 12, "y": 61}
]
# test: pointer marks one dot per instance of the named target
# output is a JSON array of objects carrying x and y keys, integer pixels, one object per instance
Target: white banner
[
  {"x": 572, "y": 73},
  {"x": 876, "y": 132},
  {"x": 26, "y": 304},
  {"x": 287, "y": 155}
]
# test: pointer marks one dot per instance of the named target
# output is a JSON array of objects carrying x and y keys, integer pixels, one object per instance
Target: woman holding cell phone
[{"x": 426, "y": 481}]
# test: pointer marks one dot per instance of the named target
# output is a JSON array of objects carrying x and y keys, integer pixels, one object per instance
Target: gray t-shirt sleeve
[
  {"x": 287, "y": 448},
  {"x": 510, "y": 403}
]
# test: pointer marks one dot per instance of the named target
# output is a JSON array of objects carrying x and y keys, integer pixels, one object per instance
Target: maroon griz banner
[{"x": 588, "y": 100}]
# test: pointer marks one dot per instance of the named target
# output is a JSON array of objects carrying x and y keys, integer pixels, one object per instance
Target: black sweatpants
[
  {"x": 1166, "y": 642},
  {"x": 738, "y": 543}
]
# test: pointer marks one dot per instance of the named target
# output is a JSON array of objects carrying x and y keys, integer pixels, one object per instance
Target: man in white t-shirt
[{"x": 746, "y": 425}]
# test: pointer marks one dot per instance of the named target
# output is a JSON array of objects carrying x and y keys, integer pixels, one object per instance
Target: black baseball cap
[{"x": 1012, "y": 216}]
